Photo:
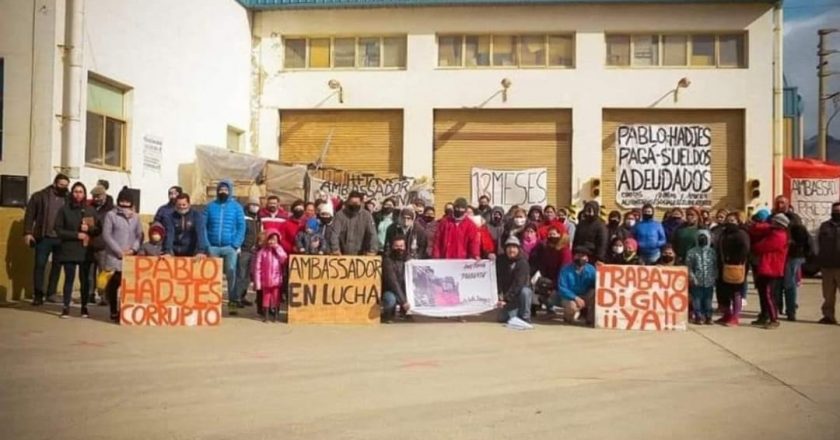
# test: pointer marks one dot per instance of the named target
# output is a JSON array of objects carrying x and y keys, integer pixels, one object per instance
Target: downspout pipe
[
  {"x": 71, "y": 117},
  {"x": 778, "y": 101}
]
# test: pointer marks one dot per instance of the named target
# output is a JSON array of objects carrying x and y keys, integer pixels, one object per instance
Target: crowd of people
[{"x": 545, "y": 260}]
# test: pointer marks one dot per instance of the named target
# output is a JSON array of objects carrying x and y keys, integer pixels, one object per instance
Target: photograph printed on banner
[{"x": 444, "y": 288}]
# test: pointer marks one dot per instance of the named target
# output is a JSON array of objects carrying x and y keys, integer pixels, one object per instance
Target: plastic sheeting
[
  {"x": 214, "y": 164},
  {"x": 285, "y": 182}
]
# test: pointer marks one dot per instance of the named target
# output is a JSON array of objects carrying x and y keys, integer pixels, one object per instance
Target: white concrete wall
[
  {"x": 586, "y": 89},
  {"x": 188, "y": 64}
]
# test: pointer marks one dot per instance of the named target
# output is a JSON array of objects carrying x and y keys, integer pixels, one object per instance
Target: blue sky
[{"x": 802, "y": 19}]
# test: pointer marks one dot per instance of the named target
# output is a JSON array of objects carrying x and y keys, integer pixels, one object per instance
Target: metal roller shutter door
[
  {"x": 727, "y": 149},
  {"x": 362, "y": 140},
  {"x": 502, "y": 140}
]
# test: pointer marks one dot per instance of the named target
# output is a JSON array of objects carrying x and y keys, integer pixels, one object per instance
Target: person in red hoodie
[
  {"x": 291, "y": 227},
  {"x": 485, "y": 238},
  {"x": 769, "y": 246},
  {"x": 272, "y": 216},
  {"x": 457, "y": 236}
]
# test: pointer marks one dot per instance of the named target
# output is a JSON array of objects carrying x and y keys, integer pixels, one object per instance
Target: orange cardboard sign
[{"x": 641, "y": 298}]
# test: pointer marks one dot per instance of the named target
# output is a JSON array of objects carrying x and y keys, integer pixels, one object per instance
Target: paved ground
[{"x": 88, "y": 379}]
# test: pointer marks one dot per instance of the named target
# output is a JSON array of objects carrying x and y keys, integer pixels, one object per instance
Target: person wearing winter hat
[
  {"x": 225, "y": 220},
  {"x": 761, "y": 215},
  {"x": 407, "y": 226},
  {"x": 513, "y": 277},
  {"x": 314, "y": 239},
  {"x": 123, "y": 237},
  {"x": 457, "y": 236},
  {"x": 769, "y": 247},
  {"x": 101, "y": 203},
  {"x": 250, "y": 245},
  {"x": 153, "y": 247},
  {"x": 576, "y": 287}
]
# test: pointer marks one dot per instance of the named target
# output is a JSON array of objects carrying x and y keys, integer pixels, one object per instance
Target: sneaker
[
  {"x": 65, "y": 313},
  {"x": 708, "y": 321},
  {"x": 732, "y": 322},
  {"x": 828, "y": 321},
  {"x": 791, "y": 317},
  {"x": 759, "y": 321},
  {"x": 38, "y": 301},
  {"x": 772, "y": 325},
  {"x": 232, "y": 309},
  {"x": 85, "y": 313},
  {"x": 53, "y": 299},
  {"x": 245, "y": 303}
]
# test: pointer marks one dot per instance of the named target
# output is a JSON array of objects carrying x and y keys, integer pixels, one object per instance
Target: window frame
[
  {"x": 517, "y": 40},
  {"x": 743, "y": 62},
  {"x": 125, "y": 163},
  {"x": 356, "y": 38}
]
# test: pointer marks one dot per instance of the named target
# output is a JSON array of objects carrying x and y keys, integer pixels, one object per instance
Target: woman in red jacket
[{"x": 769, "y": 246}]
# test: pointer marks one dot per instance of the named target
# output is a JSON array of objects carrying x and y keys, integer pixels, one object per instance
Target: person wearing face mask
[
  {"x": 550, "y": 220},
  {"x": 185, "y": 230},
  {"x": 576, "y": 287},
  {"x": 39, "y": 233},
  {"x": 650, "y": 235},
  {"x": 496, "y": 225},
  {"x": 268, "y": 274},
  {"x": 547, "y": 258},
  {"x": 153, "y": 247},
  {"x": 457, "y": 236},
  {"x": 672, "y": 221},
  {"x": 616, "y": 252},
  {"x": 415, "y": 237},
  {"x": 701, "y": 261},
  {"x": 564, "y": 218},
  {"x": 353, "y": 230},
  {"x": 733, "y": 253},
  {"x": 770, "y": 247},
  {"x": 483, "y": 208},
  {"x": 123, "y": 236},
  {"x": 535, "y": 214},
  {"x": 225, "y": 233},
  {"x": 592, "y": 232},
  {"x": 515, "y": 225},
  {"x": 384, "y": 219},
  {"x": 614, "y": 227},
  {"x": 485, "y": 238},
  {"x": 419, "y": 207},
  {"x": 685, "y": 237},
  {"x": 273, "y": 215},
  {"x": 101, "y": 203},
  {"x": 626, "y": 228},
  {"x": 828, "y": 237},
  {"x": 448, "y": 210},
  {"x": 430, "y": 225},
  {"x": 513, "y": 280},
  {"x": 253, "y": 229},
  {"x": 393, "y": 279},
  {"x": 294, "y": 225},
  {"x": 668, "y": 257},
  {"x": 167, "y": 209},
  {"x": 75, "y": 226}
]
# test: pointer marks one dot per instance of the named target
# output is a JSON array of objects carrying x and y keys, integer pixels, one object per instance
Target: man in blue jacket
[
  {"x": 225, "y": 234},
  {"x": 185, "y": 235},
  {"x": 576, "y": 287},
  {"x": 650, "y": 235}
]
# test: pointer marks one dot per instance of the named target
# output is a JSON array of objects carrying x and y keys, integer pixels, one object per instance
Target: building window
[
  {"x": 676, "y": 50},
  {"x": 235, "y": 139},
  {"x": 2, "y": 82},
  {"x": 345, "y": 53},
  {"x": 530, "y": 50},
  {"x": 105, "y": 140}
]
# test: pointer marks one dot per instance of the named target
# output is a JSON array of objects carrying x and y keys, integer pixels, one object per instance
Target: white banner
[
  {"x": 666, "y": 165},
  {"x": 443, "y": 288},
  {"x": 812, "y": 198},
  {"x": 524, "y": 188}
]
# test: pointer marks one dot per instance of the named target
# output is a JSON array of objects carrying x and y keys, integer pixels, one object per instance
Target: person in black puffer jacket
[
  {"x": 592, "y": 232},
  {"x": 799, "y": 250},
  {"x": 733, "y": 250},
  {"x": 75, "y": 226}
]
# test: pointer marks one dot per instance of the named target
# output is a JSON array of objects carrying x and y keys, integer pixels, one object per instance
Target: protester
[
  {"x": 268, "y": 273},
  {"x": 535, "y": 214},
  {"x": 316, "y": 240},
  {"x": 225, "y": 233},
  {"x": 515, "y": 226},
  {"x": 483, "y": 208},
  {"x": 309, "y": 211},
  {"x": 576, "y": 287},
  {"x": 719, "y": 220},
  {"x": 685, "y": 236},
  {"x": 513, "y": 278},
  {"x": 629, "y": 223},
  {"x": 592, "y": 232},
  {"x": 250, "y": 246},
  {"x": 370, "y": 206},
  {"x": 393, "y": 279},
  {"x": 186, "y": 230},
  {"x": 799, "y": 249},
  {"x": 496, "y": 225},
  {"x": 419, "y": 206},
  {"x": 39, "y": 233},
  {"x": 430, "y": 224},
  {"x": 616, "y": 253},
  {"x": 100, "y": 204},
  {"x": 123, "y": 237},
  {"x": 702, "y": 272},
  {"x": 571, "y": 226},
  {"x": 153, "y": 247},
  {"x": 782, "y": 206},
  {"x": 623, "y": 252},
  {"x": 733, "y": 255},
  {"x": 167, "y": 209},
  {"x": 272, "y": 216},
  {"x": 529, "y": 239},
  {"x": 106, "y": 186},
  {"x": 614, "y": 227},
  {"x": 650, "y": 235},
  {"x": 829, "y": 261},
  {"x": 414, "y": 235},
  {"x": 293, "y": 225},
  {"x": 551, "y": 255},
  {"x": 457, "y": 237},
  {"x": 705, "y": 219},
  {"x": 353, "y": 230},
  {"x": 448, "y": 209},
  {"x": 75, "y": 225},
  {"x": 770, "y": 246},
  {"x": 672, "y": 221},
  {"x": 631, "y": 252},
  {"x": 668, "y": 256},
  {"x": 550, "y": 219},
  {"x": 384, "y": 219}
]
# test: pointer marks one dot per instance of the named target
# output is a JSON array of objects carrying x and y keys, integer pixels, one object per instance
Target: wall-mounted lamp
[
  {"x": 683, "y": 83},
  {"x": 335, "y": 85},
  {"x": 506, "y": 83}
]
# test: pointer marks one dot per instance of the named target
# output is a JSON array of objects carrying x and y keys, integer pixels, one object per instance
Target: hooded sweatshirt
[
  {"x": 225, "y": 220},
  {"x": 702, "y": 262},
  {"x": 512, "y": 275},
  {"x": 592, "y": 232},
  {"x": 496, "y": 229}
]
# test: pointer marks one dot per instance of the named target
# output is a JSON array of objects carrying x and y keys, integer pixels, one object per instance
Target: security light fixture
[
  {"x": 506, "y": 83},
  {"x": 334, "y": 84}
]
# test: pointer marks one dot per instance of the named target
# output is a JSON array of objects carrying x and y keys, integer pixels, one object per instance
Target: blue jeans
[
  {"x": 43, "y": 248},
  {"x": 650, "y": 260},
  {"x": 228, "y": 255},
  {"x": 701, "y": 301},
  {"x": 519, "y": 307},
  {"x": 243, "y": 274},
  {"x": 389, "y": 304},
  {"x": 786, "y": 294}
]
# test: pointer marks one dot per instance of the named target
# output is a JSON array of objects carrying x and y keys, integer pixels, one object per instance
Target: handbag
[{"x": 734, "y": 273}]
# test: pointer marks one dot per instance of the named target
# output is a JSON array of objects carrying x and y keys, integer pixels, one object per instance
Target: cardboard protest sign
[
  {"x": 665, "y": 165},
  {"x": 641, "y": 298},
  {"x": 334, "y": 289},
  {"x": 443, "y": 288},
  {"x": 812, "y": 198},
  {"x": 171, "y": 291},
  {"x": 507, "y": 188}
]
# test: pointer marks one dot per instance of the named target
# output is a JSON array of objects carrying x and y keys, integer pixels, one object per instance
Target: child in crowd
[
  {"x": 669, "y": 256},
  {"x": 153, "y": 247},
  {"x": 268, "y": 273},
  {"x": 529, "y": 239},
  {"x": 631, "y": 252},
  {"x": 486, "y": 243},
  {"x": 702, "y": 271}
]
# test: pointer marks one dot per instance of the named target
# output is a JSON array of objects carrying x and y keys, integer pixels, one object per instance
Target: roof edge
[{"x": 354, "y": 4}]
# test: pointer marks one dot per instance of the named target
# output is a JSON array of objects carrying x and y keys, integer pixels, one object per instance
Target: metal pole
[{"x": 822, "y": 119}]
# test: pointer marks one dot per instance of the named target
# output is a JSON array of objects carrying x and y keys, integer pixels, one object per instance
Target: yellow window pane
[
  {"x": 449, "y": 51},
  {"x": 295, "y": 53},
  {"x": 731, "y": 51},
  {"x": 674, "y": 50},
  {"x": 477, "y": 50},
  {"x": 703, "y": 50},
  {"x": 645, "y": 50},
  {"x": 319, "y": 53},
  {"x": 394, "y": 52},
  {"x": 504, "y": 50},
  {"x": 561, "y": 50},
  {"x": 532, "y": 50},
  {"x": 618, "y": 50},
  {"x": 344, "y": 52},
  {"x": 105, "y": 99}
]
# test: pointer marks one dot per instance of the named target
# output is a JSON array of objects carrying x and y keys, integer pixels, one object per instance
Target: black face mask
[
  {"x": 614, "y": 222},
  {"x": 448, "y": 211},
  {"x": 835, "y": 217},
  {"x": 459, "y": 213},
  {"x": 703, "y": 241},
  {"x": 646, "y": 216},
  {"x": 353, "y": 208},
  {"x": 223, "y": 197},
  {"x": 429, "y": 218},
  {"x": 325, "y": 220},
  {"x": 553, "y": 240},
  {"x": 387, "y": 210},
  {"x": 580, "y": 261},
  {"x": 667, "y": 259},
  {"x": 61, "y": 192},
  {"x": 483, "y": 205},
  {"x": 398, "y": 253},
  {"x": 297, "y": 213}
]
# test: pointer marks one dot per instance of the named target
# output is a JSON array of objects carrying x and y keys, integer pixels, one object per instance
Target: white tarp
[
  {"x": 442, "y": 288},
  {"x": 665, "y": 165},
  {"x": 527, "y": 187}
]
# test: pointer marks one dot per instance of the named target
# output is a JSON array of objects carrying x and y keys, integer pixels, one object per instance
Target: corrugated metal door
[
  {"x": 502, "y": 140},
  {"x": 727, "y": 128},
  {"x": 359, "y": 140}
]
